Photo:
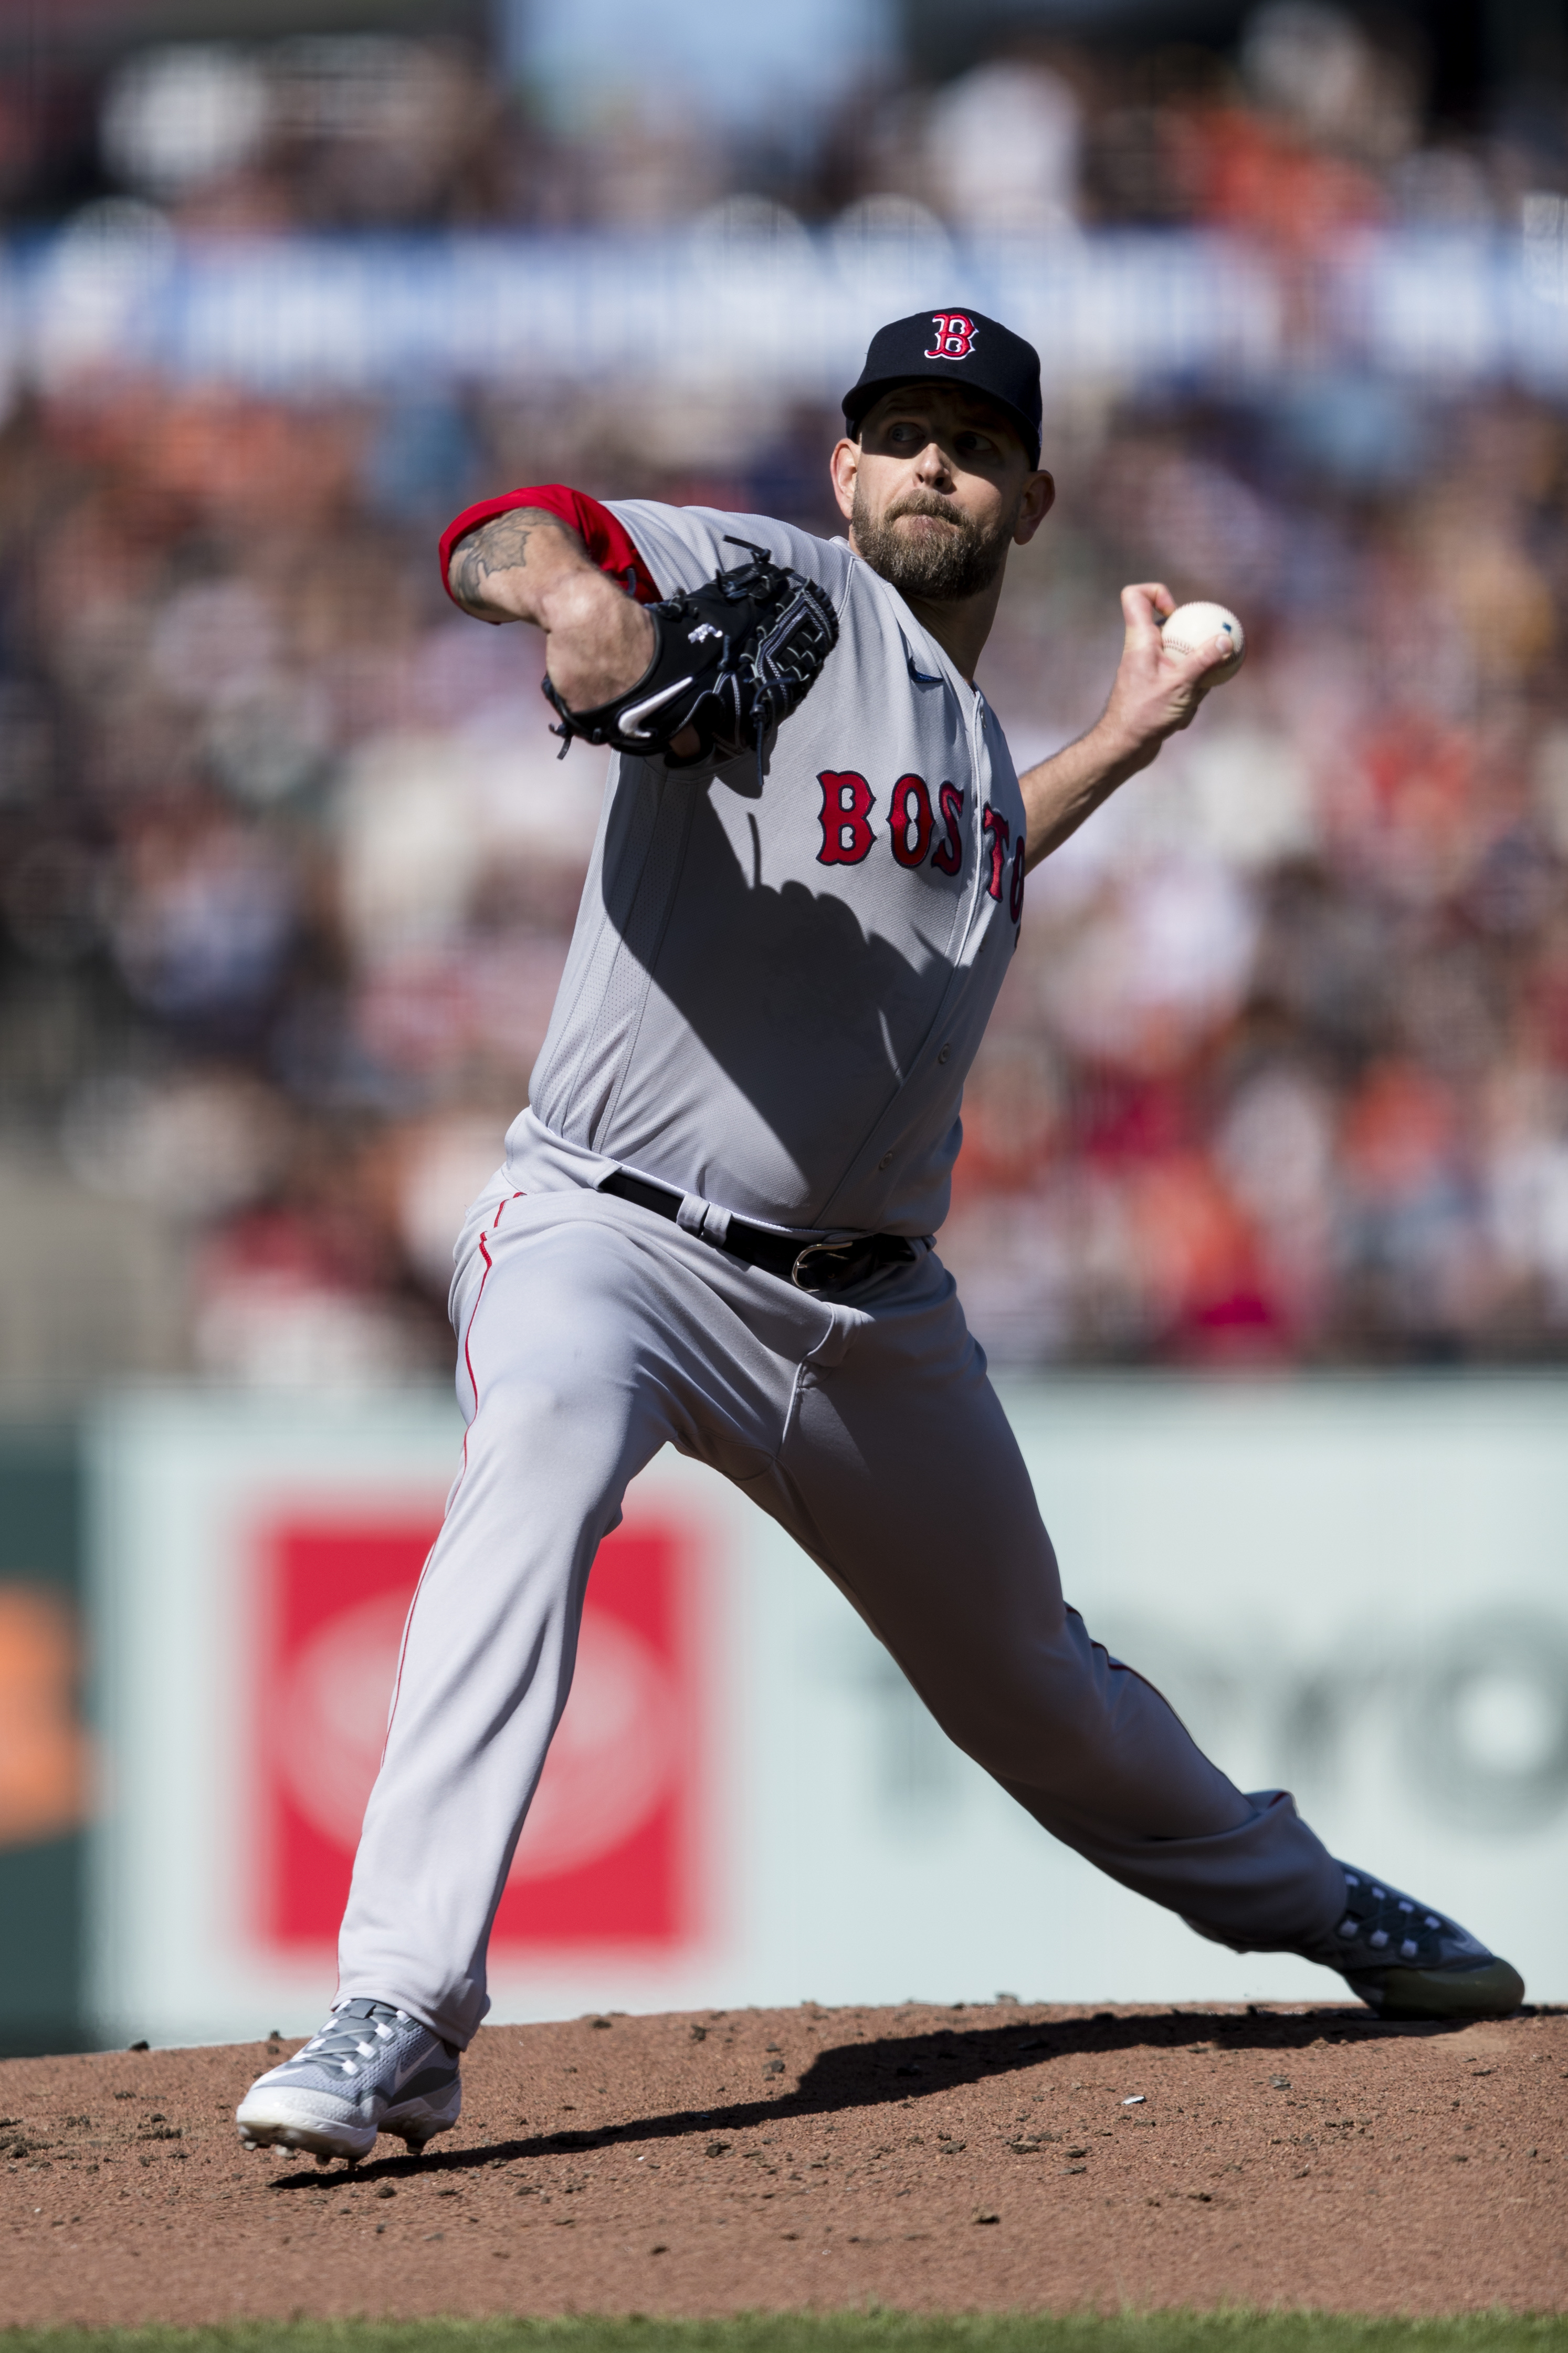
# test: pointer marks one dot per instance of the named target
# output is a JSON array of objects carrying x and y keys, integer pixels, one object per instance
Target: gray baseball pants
[{"x": 591, "y": 1334}]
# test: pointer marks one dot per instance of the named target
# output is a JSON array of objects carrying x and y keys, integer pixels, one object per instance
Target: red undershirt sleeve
[{"x": 607, "y": 541}]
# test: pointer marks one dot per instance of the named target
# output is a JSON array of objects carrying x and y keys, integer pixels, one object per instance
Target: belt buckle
[{"x": 830, "y": 1250}]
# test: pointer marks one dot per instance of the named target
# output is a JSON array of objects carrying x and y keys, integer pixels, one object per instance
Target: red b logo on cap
[{"x": 955, "y": 335}]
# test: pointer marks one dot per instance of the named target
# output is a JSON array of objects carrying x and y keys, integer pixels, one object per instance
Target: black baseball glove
[{"x": 730, "y": 661}]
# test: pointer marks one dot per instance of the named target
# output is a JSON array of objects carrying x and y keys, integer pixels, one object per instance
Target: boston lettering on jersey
[{"x": 848, "y": 834}]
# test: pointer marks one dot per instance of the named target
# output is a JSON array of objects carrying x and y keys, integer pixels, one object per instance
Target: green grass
[{"x": 861, "y": 2331}]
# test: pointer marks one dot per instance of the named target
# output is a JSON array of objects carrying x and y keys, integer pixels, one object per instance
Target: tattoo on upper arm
[{"x": 499, "y": 546}]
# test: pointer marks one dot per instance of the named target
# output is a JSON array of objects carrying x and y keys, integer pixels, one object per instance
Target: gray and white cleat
[{"x": 372, "y": 2069}]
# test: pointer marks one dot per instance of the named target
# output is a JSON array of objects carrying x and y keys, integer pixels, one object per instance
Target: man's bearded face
[{"x": 944, "y": 565}]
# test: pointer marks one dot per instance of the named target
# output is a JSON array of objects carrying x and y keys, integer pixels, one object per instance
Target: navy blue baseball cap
[{"x": 954, "y": 347}]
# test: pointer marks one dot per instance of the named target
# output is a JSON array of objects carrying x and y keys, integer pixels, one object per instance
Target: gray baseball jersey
[{"x": 773, "y": 996}]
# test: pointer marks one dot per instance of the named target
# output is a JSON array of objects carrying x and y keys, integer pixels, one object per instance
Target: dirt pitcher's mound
[{"x": 939, "y": 2160}]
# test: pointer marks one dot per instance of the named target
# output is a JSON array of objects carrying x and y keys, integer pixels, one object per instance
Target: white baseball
[{"x": 1192, "y": 627}]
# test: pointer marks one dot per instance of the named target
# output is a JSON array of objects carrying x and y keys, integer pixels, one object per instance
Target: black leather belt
[{"x": 814, "y": 1266}]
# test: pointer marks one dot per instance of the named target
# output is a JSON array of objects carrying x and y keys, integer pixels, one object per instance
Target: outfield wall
[
  {"x": 48, "y": 1776},
  {"x": 1356, "y": 1588}
]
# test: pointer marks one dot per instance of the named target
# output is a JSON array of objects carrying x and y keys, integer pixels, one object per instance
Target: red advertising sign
[{"x": 607, "y": 1856}]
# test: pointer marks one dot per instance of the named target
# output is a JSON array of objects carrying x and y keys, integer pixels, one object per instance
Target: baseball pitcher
[{"x": 714, "y": 1224}]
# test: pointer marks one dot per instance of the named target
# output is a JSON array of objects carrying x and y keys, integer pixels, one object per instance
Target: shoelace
[
  {"x": 1392, "y": 1925},
  {"x": 363, "y": 2037}
]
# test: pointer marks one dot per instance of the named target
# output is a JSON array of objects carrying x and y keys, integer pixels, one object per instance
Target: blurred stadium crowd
[
  {"x": 1311, "y": 122},
  {"x": 288, "y": 865}
]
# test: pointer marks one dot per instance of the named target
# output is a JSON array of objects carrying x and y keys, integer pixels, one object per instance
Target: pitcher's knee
[{"x": 1041, "y": 1716}]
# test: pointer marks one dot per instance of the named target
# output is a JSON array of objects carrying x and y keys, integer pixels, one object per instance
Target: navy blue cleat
[{"x": 1408, "y": 1961}]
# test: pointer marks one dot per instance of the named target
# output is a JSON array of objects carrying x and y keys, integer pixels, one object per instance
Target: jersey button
[
  {"x": 884, "y": 1160},
  {"x": 944, "y": 1053}
]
